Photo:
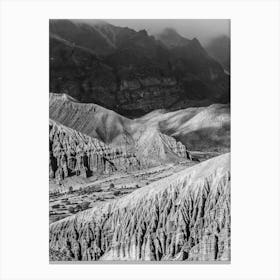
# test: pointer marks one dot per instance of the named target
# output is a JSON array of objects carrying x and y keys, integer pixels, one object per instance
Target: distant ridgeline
[{"x": 131, "y": 72}]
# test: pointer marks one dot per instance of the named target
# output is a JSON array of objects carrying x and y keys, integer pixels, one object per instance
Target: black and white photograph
[{"x": 139, "y": 140}]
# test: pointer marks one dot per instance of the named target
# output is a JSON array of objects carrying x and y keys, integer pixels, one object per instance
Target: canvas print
[{"x": 139, "y": 140}]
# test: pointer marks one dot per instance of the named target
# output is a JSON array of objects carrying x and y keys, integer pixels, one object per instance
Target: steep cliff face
[
  {"x": 74, "y": 153},
  {"x": 183, "y": 217},
  {"x": 131, "y": 72}
]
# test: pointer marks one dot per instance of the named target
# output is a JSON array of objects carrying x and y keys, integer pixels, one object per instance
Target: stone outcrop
[
  {"x": 183, "y": 217},
  {"x": 158, "y": 147},
  {"x": 72, "y": 153}
]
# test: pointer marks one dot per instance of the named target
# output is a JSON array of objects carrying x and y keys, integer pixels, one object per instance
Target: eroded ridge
[
  {"x": 73, "y": 153},
  {"x": 183, "y": 217}
]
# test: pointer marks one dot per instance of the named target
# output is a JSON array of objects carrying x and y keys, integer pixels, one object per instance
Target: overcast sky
[{"x": 202, "y": 29}]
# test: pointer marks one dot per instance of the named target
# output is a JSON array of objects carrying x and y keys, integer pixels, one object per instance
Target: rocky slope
[
  {"x": 74, "y": 153},
  {"x": 131, "y": 72},
  {"x": 199, "y": 128},
  {"x": 90, "y": 119},
  {"x": 183, "y": 217}
]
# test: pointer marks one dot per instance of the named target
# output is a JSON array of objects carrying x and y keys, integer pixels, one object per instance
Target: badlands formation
[
  {"x": 183, "y": 217},
  {"x": 76, "y": 146}
]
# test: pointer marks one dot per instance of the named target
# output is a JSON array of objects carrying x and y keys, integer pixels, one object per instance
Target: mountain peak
[
  {"x": 143, "y": 32},
  {"x": 171, "y": 38},
  {"x": 196, "y": 42},
  {"x": 170, "y": 31}
]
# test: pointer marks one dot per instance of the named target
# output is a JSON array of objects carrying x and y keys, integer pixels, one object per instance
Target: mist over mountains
[
  {"x": 219, "y": 48},
  {"x": 130, "y": 71}
]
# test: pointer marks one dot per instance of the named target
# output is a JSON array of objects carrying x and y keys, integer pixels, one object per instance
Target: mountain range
[{"x": 132, "y": 72}]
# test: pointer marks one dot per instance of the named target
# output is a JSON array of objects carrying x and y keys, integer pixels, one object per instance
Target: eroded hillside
[
  {"x": 74, "y": 153},
  {"x": 185, "y": 216},
  {"x": 198, "y": 128}
]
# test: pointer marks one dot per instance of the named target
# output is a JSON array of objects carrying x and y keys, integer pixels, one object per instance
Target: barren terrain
[
  {"x": 184, "y": 216},
  {"x": 139, "y": 145}
]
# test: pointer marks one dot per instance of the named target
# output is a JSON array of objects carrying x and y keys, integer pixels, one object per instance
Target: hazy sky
[{"x": 202, "y": 29}]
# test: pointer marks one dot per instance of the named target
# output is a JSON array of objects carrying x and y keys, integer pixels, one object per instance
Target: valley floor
[
  {"x": 178, "y": 212},
  {"x": 76, "y": 194},
  {"x": 86, "y": 193}
]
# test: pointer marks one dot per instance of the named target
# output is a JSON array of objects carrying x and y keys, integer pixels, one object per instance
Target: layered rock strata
[{"x": 183, "y": 217}]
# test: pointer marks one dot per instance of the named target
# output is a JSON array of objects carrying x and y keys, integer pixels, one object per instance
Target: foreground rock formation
[
  {"x": 72, "y": 153},
  {"x": 183, "y": 217}
]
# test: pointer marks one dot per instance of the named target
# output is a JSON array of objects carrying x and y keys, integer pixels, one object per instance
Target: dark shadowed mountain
[
  {"x": 82, "y": 35},
  {"x": 171, "y": 39},
  {"x": 219, "y": 48},
  {"x": 131, "y": 72}
]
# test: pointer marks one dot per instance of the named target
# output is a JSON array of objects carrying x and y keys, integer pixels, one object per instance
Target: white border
[{"x": 255, "y": 138}]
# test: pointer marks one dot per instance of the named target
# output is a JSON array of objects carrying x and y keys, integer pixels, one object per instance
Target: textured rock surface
[
  {"x": 183, "y": 217},
  {"x": 90, "y": 119},
  {"x": 73, "y": 153}
]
